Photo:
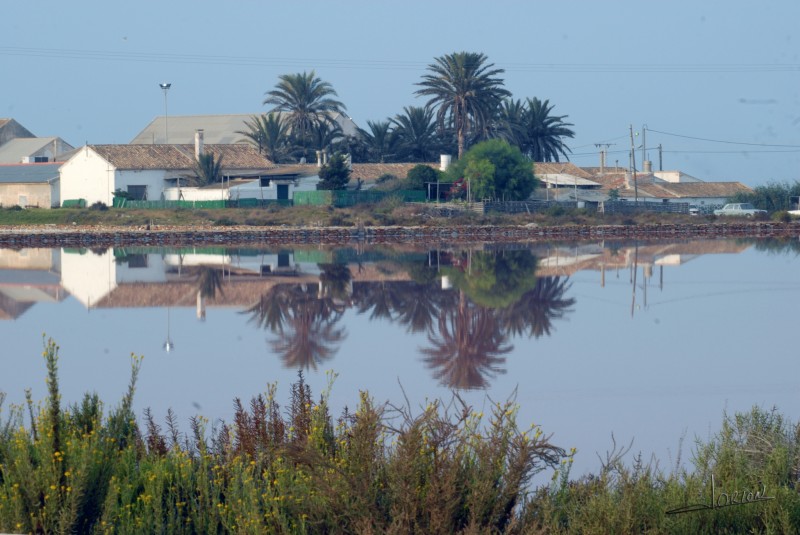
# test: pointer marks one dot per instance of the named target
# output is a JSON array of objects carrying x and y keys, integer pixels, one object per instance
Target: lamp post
[{"x": 165, "y": 86}]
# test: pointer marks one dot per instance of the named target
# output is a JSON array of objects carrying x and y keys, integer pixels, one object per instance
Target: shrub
[{"x": 99, "y": 206}]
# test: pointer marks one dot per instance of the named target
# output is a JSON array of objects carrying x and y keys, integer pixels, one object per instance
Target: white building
[{"x": 148, "y": 172}]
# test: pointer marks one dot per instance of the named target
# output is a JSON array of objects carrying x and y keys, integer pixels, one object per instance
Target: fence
[
  {"x": 342, "y": 198},
  {"x": 523, "y": 207},
  {"x": 627, "y": 207},
  {"x": 119, "y": 202}
]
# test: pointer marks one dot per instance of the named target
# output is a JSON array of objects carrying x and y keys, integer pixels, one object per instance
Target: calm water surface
[{"x": 649, "y": 342}]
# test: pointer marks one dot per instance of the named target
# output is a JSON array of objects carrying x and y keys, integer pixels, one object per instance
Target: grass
[
  {"x": 388, "y": 212},
  {"x": 378, "y": 469}
]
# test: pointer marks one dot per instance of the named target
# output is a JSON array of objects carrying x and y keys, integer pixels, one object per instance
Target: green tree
[
  {"x": 269, "y": 134},
  {"x": 415, "y": 134},
  {"x": 496, "y": 170},
  {"x": 306, "y": 100},
  {"x": 418, "y": 175},
  {"x": 465, "y": 90},
  {"x": 334, "y": 175},
  {"x": 208, "y": 169},
  {"x": 543, "y": 133}
]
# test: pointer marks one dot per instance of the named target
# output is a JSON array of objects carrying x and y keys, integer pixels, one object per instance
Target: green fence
[
  {"x": 341, "y": 198},
  {"x": 119, "y": 202}
]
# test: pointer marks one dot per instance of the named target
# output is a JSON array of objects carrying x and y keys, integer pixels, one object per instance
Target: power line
[
  {"x": 722, "y": 141},
  {"x": 101, "y": 55}
]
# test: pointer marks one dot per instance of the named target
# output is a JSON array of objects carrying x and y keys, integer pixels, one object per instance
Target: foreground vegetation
[{"x": 380, "y": 469}]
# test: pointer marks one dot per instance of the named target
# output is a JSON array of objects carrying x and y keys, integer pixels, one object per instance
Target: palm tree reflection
[
  {"x": 304, "y": 317},
  {"x": 468, "y": 348}
]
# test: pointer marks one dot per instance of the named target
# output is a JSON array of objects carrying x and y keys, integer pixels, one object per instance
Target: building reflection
[{"x": 468, "y": 304}]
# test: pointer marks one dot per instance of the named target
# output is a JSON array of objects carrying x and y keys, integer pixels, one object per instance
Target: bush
[
  {"x": 783, "y": 216},
  {"x": 99, "y": 206}
]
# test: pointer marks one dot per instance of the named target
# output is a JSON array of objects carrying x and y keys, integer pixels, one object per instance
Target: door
[{"x": 283, "y": 192}]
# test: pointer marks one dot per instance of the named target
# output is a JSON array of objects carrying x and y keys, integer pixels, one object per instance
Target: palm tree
[
  {"x": 324, "y": 135},
  {"x": 508, "y": 122},
  {"x": 379, "y": 140},
  {"x": 270, "y": 134},
  {"x": 543, "y": 132},
  {"x": 306, "y": 100},
  {"x": 208, "y": 169},
  {"x": 465, "y": 90},
  {"x": 415, "y": 134}
]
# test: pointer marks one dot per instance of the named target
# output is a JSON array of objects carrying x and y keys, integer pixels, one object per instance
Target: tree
[
  {"x": 415, "y": 133},
  {"x": 543, "y": 133},
  {"x": 306, "y": 100},
  {"x": 269, "y": 134},
  {"x": 421, "y": 174},
  {"x": 496, "y": 170},
  {"x": 378, "y": 140},
  {"x": 324, "y": 135},
  {"x": 465, "y": 90},
  {"x": 208, "y": 169},
  {"x": 334, "y": 175}
]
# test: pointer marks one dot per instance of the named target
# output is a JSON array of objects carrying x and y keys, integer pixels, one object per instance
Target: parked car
[{"x": 742, "y": 209}]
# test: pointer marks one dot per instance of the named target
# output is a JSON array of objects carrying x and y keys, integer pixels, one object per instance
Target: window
[{"x": 137, "y": 193}]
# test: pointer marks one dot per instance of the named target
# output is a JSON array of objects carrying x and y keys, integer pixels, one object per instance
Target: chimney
[
  {"x": 628, "y": 179},
  {"x": 198, "y": 144},
  {"x": 648, "y": 166},
  {"x": 603, "y": 162},
  {"x": 444, "y": 162}
]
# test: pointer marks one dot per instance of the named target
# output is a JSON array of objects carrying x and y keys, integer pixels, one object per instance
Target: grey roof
[
  {"x": 14, "y": 150},
  {"x": 567, "y": 180},
  {"x": 28, "y": 173},
  {"x": 218, "y": 129}
]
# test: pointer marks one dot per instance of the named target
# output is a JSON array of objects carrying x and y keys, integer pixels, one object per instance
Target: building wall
[
  {"x": 39, "y": 259},
  {"x": 87, "y": 176},
  {"x": 26, "y": 195}
]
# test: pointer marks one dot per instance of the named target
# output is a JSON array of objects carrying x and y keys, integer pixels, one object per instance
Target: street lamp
[{"x": 165, "y": 86}]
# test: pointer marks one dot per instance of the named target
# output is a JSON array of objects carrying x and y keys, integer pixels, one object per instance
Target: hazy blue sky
[{"x": 724, "y": 70}]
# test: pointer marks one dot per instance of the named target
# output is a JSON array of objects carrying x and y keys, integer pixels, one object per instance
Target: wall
[
  {"x": 88, "y": 276},
  {"x": 152, "y": 178},
  {"x": 87, "y": 176},
  {"x": 38, "y": 195}
]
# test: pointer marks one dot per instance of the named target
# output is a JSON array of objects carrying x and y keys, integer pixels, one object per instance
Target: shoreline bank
[{"x": 88, "y": 236}]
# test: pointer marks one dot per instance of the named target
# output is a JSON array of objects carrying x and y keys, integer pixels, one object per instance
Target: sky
[{"x": 715, "y": 83}]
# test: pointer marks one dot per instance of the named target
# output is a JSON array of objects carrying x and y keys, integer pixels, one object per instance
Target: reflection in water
[
  {"x": 468, "y": 304},
  {"x": 468, "y": 346}
]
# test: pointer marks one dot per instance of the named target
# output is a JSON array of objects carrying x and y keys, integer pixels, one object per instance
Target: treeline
[{"x": 774, "y": 197}]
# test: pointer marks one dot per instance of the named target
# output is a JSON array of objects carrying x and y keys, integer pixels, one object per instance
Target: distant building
[
  {"x": 218, "y": 129},
  {"x": 34, "y": 150},
  {"x": 11, "y": 129},
  {"x": 30, "y": 185}
]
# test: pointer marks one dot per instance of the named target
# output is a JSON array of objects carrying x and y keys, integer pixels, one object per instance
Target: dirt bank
[{"x": 99, "y": 236}]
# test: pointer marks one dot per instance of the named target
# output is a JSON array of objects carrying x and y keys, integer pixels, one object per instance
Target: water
[{"x": 648, "y": 342}]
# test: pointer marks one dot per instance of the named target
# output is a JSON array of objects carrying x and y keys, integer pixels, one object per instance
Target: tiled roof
[
  {"x": 179, "y": 157},
  {"x": 369, "y": 172},
  {"x": 707, "y": 189},
  {"x": 556, "y": 168}
]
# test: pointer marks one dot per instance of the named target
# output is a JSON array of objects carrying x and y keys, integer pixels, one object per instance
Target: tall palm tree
[
  {"x": 415, "y": 134},
  {"x": 465, "y": 90},
  {"x": 508, "y": 123},
  {"x": 324, "y": 135},
  {"x": 306, "y": 101},
  {"x": 544, "y": 133},
  {"x": 379, "y": 140},
  {"x": 269, "y": 133}
]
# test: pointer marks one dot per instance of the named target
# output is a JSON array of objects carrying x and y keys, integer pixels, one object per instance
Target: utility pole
[
  {"x": 603, "y": 152},
  {"x": 644, "y": 144},
  {"x": 633, "y": 170},
  {"x": 660, "y": 161}
]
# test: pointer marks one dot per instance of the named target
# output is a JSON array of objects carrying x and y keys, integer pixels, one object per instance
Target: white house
[{"x": 148, "y": 172}]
